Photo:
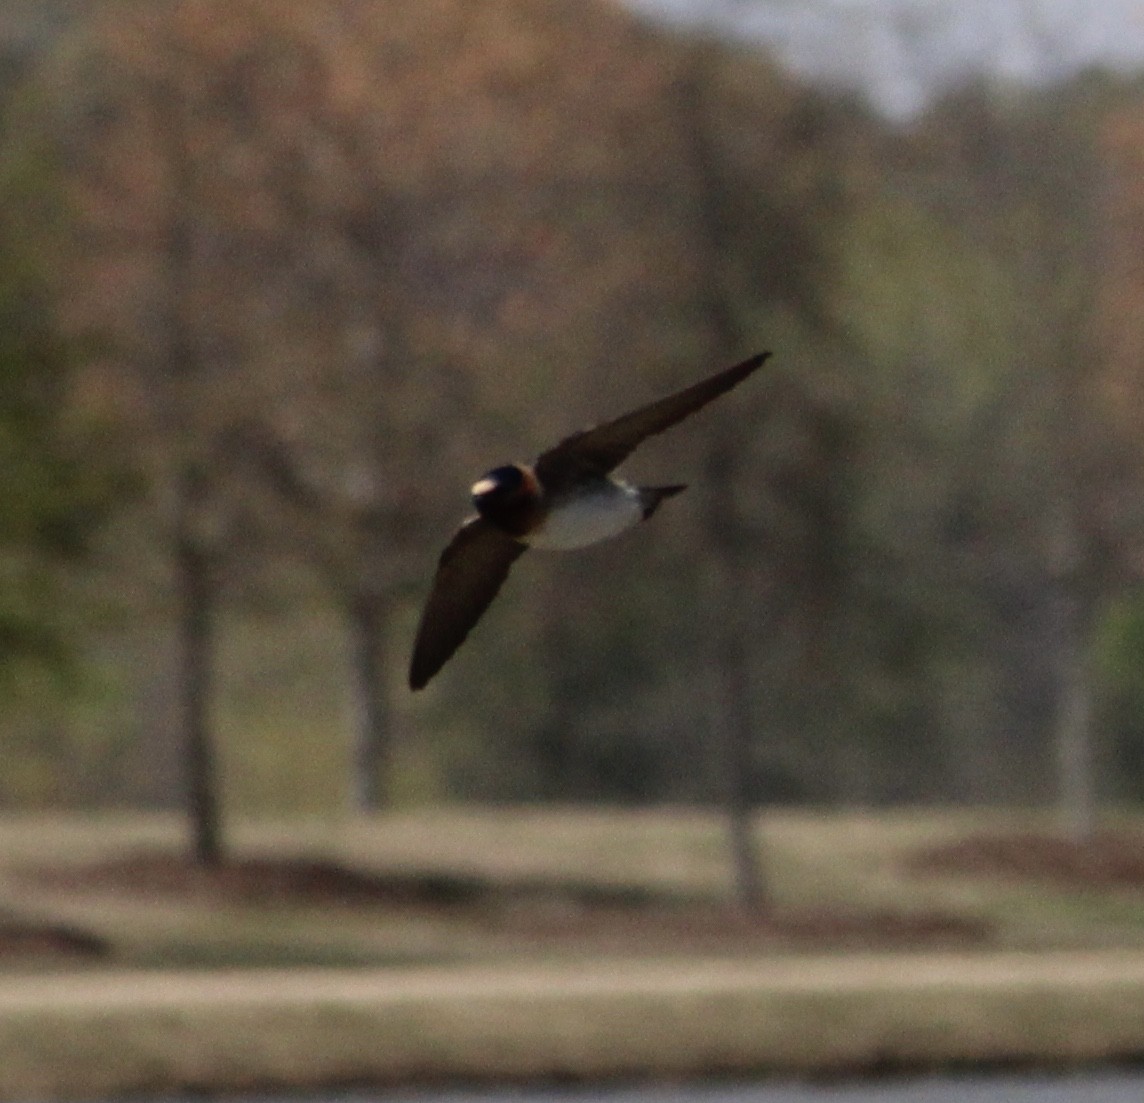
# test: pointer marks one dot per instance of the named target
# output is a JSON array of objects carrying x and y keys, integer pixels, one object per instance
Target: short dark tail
[{"x": 651, "y": 496}]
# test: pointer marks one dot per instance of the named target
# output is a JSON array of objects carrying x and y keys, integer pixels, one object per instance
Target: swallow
[{"x": 567, "y": 499}]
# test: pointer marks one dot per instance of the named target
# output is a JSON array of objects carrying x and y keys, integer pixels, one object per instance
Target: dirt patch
[
  {"x": 251, "y": 880},
  {"x": 23, "y": 940},
  {"x": 713, "y": 928},
  {"x": 1109, "y": 859},
  {"x": 531, "y": 913}
]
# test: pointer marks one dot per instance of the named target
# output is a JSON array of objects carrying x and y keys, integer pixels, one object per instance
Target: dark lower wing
[
  {"x": 604, "y": 447},
  {"x": 470, "y": 572}
]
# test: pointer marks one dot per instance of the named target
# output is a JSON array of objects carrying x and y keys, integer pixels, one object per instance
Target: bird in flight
[{"x": 567, "y": 499}]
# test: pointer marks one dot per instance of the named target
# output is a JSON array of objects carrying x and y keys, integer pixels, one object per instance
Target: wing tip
[
  {"x": 426, "y": 661},
  {"x": 419, "y": 673},
  {"x": 737, "y": 373}
]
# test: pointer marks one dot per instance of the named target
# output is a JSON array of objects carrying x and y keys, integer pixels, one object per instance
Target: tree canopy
[{"x": 342, "y": 257}]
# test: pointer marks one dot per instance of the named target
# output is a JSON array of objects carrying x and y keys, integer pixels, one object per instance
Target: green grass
[
  {"x": 431, "y": 994},
  {"x": 815, "y": 862}
]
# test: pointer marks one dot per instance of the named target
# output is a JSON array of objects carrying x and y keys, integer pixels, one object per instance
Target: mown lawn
[
  {"x": 450, "y": 884},
  {"x": 505, "y": 945}
]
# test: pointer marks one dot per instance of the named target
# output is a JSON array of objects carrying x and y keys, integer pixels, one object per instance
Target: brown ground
[
  {"x": 1111, "y": 859},
  {"x": 535, "y": 913},
  {"x": 531, "y": 913}
]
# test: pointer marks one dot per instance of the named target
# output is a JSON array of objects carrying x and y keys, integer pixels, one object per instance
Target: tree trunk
[
  {"x": 1076, "y": 772},
  {"x": 369, "y": 616},
  {"x": 731, "y": 718},
  {"x": 1069, "y": 622},
  {"x": 737, "y": 730},
  {"x": 729, "y": 669},
  {"x": 731, "y": 727},
  {"x": 195, "y": 625},
  {"x": 192, "y": 563}
]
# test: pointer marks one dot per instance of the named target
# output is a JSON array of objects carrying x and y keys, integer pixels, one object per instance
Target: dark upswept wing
[
  {"x": 469, "y": 574},
  {"x": 600, "y": 449}
]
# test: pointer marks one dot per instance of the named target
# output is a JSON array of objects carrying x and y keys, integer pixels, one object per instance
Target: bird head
[
  {"x": 508, "y": 496},
  {"x": 501, "y": 484}
]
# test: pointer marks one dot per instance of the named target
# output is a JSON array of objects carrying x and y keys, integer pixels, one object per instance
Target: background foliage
[{"x": 330, "y": 261}]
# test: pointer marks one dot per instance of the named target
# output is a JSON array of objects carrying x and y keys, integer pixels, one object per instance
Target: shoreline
[{"x": 119, "y": 1032}]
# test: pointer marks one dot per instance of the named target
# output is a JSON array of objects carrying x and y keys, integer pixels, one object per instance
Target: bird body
[
  {"x": 597, "y": 511},
  {"x": 585, "y": 513},
  {"x": 568, "y": 499}
]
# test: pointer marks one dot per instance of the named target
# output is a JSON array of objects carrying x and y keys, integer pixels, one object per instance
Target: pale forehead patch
[{"x": 483, "y": 486}]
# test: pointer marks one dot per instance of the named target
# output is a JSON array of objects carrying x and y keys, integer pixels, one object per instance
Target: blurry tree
[
  {"x": 325, "y": 269},
  {"x": 778, "y": 478},
  {"x": 727, "y": 625},
  {"x": 450, "y": 232},
  {"x": 1026, "y": 459},
  {"x": 62, "y": 470},
  {"x": 1121, "y": 249},
  {"x": 575, "y": 308},
  {"x": 1119, "y": 339},
  {"x": 148, "y": 259},
  {"x": 296, "y": 267},
  {"x": 1078, "y": 445},
  {"x": 347, "y": 450},
  {"x": 228, "y": 238},
  {"x": 927, "y": 318},
  {"x": 187, "y": 480},
  {"x": 1042, "y": 174}
]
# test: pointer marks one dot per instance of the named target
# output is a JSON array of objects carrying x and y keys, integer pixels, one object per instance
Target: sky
[{"x": 902, "y": 53}]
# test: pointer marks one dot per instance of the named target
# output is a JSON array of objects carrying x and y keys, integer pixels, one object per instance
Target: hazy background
[
  {"x": 281, "y": 280},
  {"x": 903, "y": 54}
]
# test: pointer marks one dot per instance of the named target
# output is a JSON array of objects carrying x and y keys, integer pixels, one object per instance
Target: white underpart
[{"x": 589, "y": 518}]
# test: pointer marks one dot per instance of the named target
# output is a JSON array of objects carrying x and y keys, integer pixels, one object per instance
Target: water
[{"x": 1103, "y": 1087}]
